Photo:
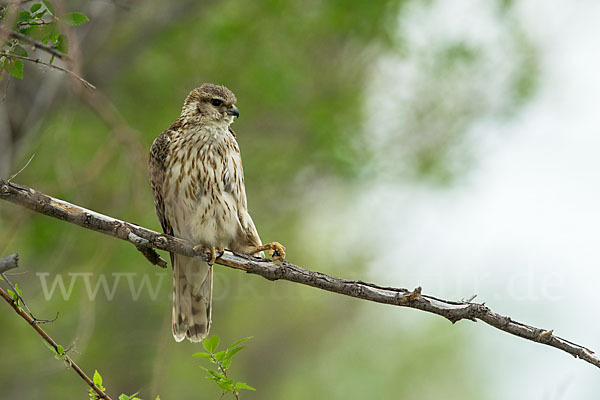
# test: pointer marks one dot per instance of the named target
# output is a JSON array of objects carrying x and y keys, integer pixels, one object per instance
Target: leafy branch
[
  {"x": 15, "y": 300},
  {"x": 38, "y": 61},
  {"x": 142, "y": 237},
  {"x": 38, "y": 27},
  {"x": 222, "y": 360}
]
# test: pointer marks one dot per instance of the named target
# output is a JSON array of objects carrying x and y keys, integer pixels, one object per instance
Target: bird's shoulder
[
  {"x": 161, "y": 145},
  {"x": 157, "y": 165}
]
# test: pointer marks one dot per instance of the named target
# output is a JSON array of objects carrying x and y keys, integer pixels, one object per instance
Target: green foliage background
[{"x": 300, "y": 70}]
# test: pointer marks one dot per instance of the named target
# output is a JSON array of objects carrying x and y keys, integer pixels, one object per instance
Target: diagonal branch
[
  {"x": 15, "y": 304},
  {"x": 38, "y": 61},
  {"x": 142, "y": 237},
  {"x": 35, "y": 43}
]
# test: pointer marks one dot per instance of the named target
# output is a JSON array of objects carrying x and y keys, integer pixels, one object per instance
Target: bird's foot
[
  {"x": 276, "y": 250},
  {"x": 215, "y": 252},
  {"x": 219, "y": 252}
]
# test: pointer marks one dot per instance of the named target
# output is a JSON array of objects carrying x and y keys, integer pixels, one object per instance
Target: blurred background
[{"x": 448, "y": 145}]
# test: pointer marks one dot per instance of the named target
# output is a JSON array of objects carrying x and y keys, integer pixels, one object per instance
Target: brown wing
[
  {"x": 248, "y": 238},
  {"x": 157, "y": 168}
]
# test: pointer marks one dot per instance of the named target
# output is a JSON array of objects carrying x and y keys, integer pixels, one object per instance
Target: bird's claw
[
  {"x": 276, "y": 251},
  {"x": 215, "y": 252},
  {"x": 220, "y": 251}
]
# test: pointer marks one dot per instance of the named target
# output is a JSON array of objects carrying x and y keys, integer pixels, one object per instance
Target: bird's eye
[{"x": 216, "y": 102}]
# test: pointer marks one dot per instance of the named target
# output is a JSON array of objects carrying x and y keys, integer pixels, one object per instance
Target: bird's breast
[{"x": 200, "y": 202}]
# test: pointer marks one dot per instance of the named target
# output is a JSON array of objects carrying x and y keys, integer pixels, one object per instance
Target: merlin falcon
[{"x": 197, "y": 181}]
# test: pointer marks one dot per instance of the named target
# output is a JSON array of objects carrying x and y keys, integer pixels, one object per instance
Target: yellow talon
[
  {"x": 276, "y": 251},
  {"x": 213, "y": 255}
]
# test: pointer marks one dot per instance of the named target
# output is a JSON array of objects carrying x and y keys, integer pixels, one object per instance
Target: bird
[{"x": 197, "y": 182}]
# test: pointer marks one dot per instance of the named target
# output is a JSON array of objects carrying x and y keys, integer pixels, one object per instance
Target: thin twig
[
  {"x": 21, "y": 170},
  {"x": 36, "y": 44},
  {"x": 452, "y": 310},
  {"x": 34, "y": 23},
  {"x": 54, "y": 345},
  {"x": 11, "y": 262},
  {"x": 17, "y": 294},
  {"x": 224, "y": 371},
  {"x": 38, "y": 61}
]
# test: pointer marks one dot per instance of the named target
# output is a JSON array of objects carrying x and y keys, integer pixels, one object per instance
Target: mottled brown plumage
[{"x": 197, "y": 180}]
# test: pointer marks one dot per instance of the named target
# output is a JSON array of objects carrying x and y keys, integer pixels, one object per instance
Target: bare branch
[
  {"x": 33, "y": 323},
  {"x": 36, "y": 44},
  {"x": 452, "y": 310},
  {"x": 38, "y": 61},
  {"x": 9, "y": 262}
]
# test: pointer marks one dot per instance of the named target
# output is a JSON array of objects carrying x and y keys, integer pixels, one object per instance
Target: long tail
[{"x": 192, "y": 298}]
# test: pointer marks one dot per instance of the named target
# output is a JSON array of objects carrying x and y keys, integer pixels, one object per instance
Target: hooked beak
[{"x": 233, "y": 110}]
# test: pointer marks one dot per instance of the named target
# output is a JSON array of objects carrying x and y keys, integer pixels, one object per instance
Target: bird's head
[{"x": 210, "y": 103}]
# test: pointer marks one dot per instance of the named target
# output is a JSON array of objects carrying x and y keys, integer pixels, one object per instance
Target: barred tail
[{"x": 192, "y": 298}]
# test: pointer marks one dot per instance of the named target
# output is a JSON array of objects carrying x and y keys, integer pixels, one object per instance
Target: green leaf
[
  {"x": 215, "y": 374},
  {"x": 60, "y": 349},
  {"x": 48, "y": 345},
  {"x": 11, "y": 294},
  {"x": 52, "y": 32},
  {"x": 242, "y": 385},
  {"x": 23, "y": 16},
  {"x": 62, "y": 44},
  {"x": 17, "y": 286},
  {"x": 16, "y": 70},
  {"x": 210, "y": 344},
  {"x": 219, "y": 356},
  {"x": 20, "y": 51},
  {"x": 201, "y": 355},
  {"x": 35, "y": 31},
  {"x": 238, "y": 342},
  {"x": 40, "y": 14},
  {"x": 123, "y": 396},
  {"x": 97, "y": 378},
  {"x": 225, "y": 385},
  {"x": 49, "y": 7},
  {"x": 35, "y": 7},
  {"x": 75, "y": 19},
  {"x": 46, "y": 33},
  {"x": 233, "y": 352},
  {"x": 226, "y": 363}
]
